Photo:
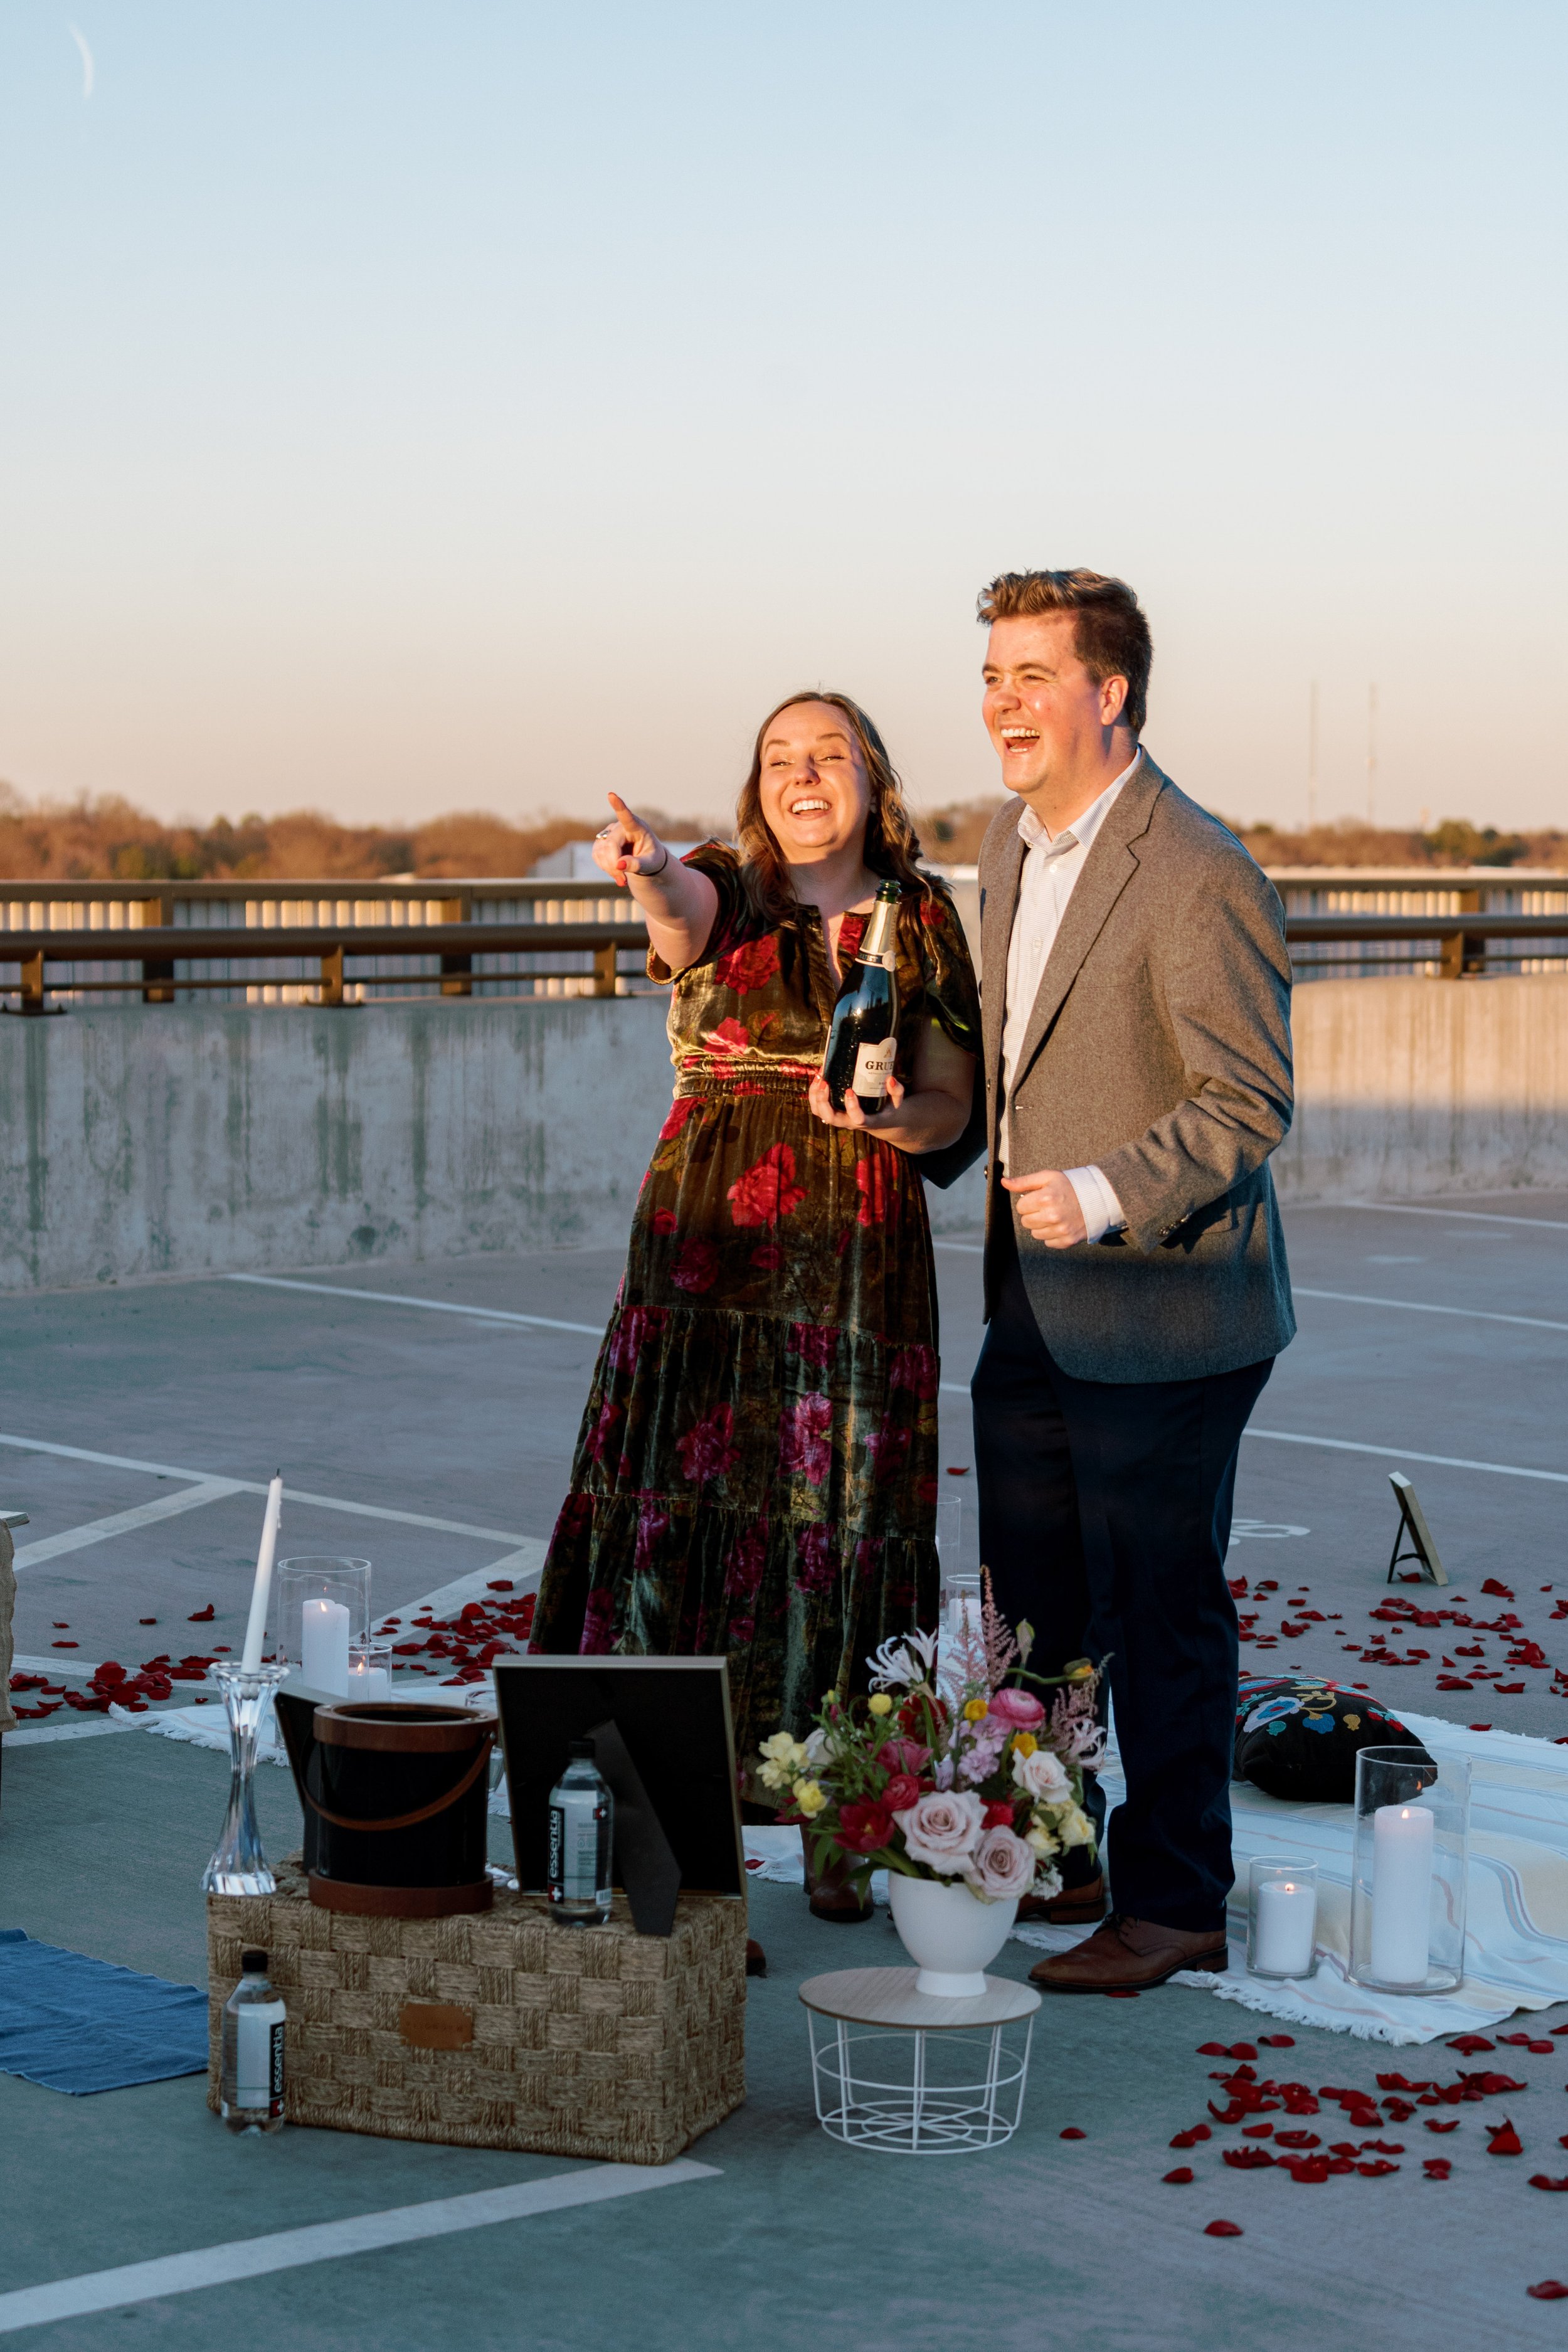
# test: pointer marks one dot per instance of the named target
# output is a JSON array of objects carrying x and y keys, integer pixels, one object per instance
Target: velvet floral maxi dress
[{"x": 756, "y": 1470}]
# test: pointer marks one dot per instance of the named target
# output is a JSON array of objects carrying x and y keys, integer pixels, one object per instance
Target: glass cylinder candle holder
[
  {"x": 1408, "y": 1891},
  {"x": 370, "y": 1670},
  {"x": 1282, "y": 1917},
  {"x": 323, "y": 1617}
]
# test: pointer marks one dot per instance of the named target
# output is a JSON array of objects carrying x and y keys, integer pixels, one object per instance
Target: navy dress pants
[{"x": 1105, "y": 1514}]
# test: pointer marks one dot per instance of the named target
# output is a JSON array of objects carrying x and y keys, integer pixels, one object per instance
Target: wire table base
[{"x": 919, "y": 2077}]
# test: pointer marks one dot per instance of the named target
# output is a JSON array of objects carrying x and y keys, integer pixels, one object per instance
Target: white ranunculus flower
[{"x": 1043, "y": 1774}]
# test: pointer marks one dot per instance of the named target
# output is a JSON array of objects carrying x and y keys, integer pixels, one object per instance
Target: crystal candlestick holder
[{"x": 239, "y": 1865}]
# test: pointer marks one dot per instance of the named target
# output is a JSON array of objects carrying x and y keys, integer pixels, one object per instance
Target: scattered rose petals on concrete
[
  {"x": 1542, "y": 2180},
  {"x": 1548, "y": 2291},
  {"x": 1182, "y": 2175},
  {"x": 1504, "y": 2140},
  {"x": 1277, "y": 2041},
  {"x": 1233, "y": 2229},
  {"x": 1072, "y": 2132},
  {"x": 1437, "y": 2168},
  {"x": 1449, "y": 2124}
]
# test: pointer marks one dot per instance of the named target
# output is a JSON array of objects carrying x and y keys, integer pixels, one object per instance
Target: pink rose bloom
[
  {"x": 1018, "y": 1710},
  {"x": 806, "y": 1437},
  {"x": 943, "y": 1832},
  {"x": 904, "y": 1755},
  {"x": 705, "y": 1449},
  {"x": 1001, "y": 1866}
]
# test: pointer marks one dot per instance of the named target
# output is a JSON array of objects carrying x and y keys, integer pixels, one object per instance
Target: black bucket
[{"x": 401, "y": 1796}]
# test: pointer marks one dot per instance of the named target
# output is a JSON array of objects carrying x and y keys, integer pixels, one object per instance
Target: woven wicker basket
[{"x": 499, "y": 2030}]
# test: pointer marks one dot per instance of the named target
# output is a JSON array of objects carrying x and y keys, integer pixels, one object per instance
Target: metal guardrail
[{"x": 456, "y": 956}]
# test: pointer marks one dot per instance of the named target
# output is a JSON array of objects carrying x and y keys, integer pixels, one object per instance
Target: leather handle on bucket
[{"x": 425, "y": 1812}]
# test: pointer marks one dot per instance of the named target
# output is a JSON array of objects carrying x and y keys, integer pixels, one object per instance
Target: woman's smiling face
[{"x": 816, "y": 793}]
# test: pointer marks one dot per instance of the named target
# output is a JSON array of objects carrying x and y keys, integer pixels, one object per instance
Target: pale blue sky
[{"x": 474, "y": 403}]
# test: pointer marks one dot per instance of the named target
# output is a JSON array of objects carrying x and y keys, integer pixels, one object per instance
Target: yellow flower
[
  {"x": 974, "y": 1711},
  {"x": 1037, "y": 1837},
  {"x": 782, "y": 1756},
  {"x": 1023, "y": 1743},
  {"x": 881, "y": 1704},
  {"x": 1074, "y": 1826},
  {"x": 809, "y": 1797}
]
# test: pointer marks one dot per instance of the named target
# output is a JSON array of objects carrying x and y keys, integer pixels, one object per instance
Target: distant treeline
[{"x": 106, "y": 840}]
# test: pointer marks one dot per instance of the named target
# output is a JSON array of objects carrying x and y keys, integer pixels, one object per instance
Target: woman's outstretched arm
[{"x": 678, "y": 902}]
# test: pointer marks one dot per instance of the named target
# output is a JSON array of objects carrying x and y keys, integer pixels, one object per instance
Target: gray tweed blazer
[{"x": 1159, "y": 1049}]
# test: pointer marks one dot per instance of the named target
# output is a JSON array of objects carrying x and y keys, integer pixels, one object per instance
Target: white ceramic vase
[{"x": 948, "y": 1933}]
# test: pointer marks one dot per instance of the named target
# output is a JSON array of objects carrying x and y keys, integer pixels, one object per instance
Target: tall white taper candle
[{"x": 261, "y": 1591}]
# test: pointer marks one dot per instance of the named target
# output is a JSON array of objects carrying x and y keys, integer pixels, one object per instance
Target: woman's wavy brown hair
[{"x": 892, "y": 846}]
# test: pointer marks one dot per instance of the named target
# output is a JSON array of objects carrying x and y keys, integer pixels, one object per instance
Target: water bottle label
[
  {"x": 258, "y": 2059},
  {"x": 575, "y": 1830},
  {"x": 873, "y": 1067}
]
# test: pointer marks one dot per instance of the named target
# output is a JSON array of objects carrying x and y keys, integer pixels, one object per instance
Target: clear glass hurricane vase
[{"x": 239, "y": 1865}]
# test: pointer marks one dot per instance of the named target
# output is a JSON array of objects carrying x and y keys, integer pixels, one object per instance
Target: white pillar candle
[
  {"x": 1401, "y": 1893},
  {"x": 1285, "y": 1927},
  {"x": 324, "y": 1646},
  {"x": 261, "y": 1591},
  {"x": 368, "y": 1682}
]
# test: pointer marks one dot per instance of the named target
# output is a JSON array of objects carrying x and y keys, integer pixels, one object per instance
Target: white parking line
[
  {"x": 254, "y": 1486},
  {"x": 1476, "y": 1217},
  {"x": 364, "y": 2233},
  {"x": 122, "y": 1523},
  {"x": 1423, "y": 1306},
  {"x": 1405, "y": 1454},
  {"x": 433, "y": 1305}
]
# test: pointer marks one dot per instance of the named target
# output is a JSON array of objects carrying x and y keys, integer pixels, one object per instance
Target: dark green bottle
[{"x": 864, "y": 1039}]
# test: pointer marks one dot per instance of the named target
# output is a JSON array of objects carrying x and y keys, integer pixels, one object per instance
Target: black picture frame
[{"x": 673, "y": 1718}]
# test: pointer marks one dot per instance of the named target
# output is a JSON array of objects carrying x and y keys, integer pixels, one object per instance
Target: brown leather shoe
[
  {"x": 1131, "y": 1956},
  {"x": 756, "y": 1958},
  {"x": 1073, "y": 1906}
]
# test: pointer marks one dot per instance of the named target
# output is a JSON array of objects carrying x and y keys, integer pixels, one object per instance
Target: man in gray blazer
[{"x": 1137, "y": 1073}]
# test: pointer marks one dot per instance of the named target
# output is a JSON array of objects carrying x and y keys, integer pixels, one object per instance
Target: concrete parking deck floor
[{"x": 1433, "y": 1339}]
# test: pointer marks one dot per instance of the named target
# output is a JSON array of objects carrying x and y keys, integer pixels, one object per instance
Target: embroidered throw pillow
[{"x": 1297, "y": 1736}]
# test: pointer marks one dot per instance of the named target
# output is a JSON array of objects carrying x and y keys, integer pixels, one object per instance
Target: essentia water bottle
[
  {"x": 582, "y": 1839},
  {"x": 251, "y": 2091}
]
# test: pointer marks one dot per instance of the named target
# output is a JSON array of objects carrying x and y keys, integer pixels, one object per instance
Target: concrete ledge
[{"x": 1412, "y": 1086}]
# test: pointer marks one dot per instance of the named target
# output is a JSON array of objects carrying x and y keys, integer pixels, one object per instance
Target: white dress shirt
[{"x": 1050, "y": 871}]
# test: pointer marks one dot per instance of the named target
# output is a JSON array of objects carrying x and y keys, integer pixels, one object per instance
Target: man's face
[{"x": 1043, "y": 711}]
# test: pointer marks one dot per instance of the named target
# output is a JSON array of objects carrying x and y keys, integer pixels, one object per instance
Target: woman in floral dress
[{"x": 756, "y": 1470}]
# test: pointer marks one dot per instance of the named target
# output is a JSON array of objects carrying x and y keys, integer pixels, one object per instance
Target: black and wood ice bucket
[{"x": 400, "y": 1795}]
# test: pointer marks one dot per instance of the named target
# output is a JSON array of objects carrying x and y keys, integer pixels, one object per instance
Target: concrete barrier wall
[
  {"x": 1412, "y": 1086},
  {"x": 178, "y": 1139}
]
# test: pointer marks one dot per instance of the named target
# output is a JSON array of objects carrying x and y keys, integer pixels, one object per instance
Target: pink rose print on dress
[
  {"x": 816, "y": 1570},
  {"x": 705, "y": 1449},
  {"x": 743, "y": 1632},
  {"x": 696, "y": 1267},
  {"x": 867, "y": 1559},
  {"x": 751, "y": 965},
  {"x": 768, "y": 1259},
  {"x": 889, "y": 1450},
  {"x": 574, "y": 1515},
  {"x": 748, "y": 1557},
  {"x": 878, "y": 1193},
  {"x": 638, "y": 1326},
  {"x": 915, "y": 1368},
  {"x": 680, "y": 1110},
  {"x": 729, "y": 1037},
  {"x": 598, "y": 1624},
  {"x": 815, "y": 1344},
  {"x": 651, "y": 1523},
  {"x": 663, "y": 1221},
  {"x": 767, "y": 1191},
  {"x": 599, "y": 1443},
  {"x": 931, "y": 914},
  {"x": 806, "y": 1437}
]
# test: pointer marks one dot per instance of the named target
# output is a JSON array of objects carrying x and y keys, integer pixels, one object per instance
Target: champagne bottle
[{"x": 864, "y": 1039}]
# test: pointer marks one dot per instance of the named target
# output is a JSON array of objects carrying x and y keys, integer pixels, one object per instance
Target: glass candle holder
[
  {"x": 323, "y": 1617},
  {"x": 1282, "y": 1917},
  {"x": 1408, "y": 1891},
  {"x": 369, "y": 1671}
]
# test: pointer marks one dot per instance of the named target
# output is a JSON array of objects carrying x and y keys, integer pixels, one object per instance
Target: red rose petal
[
  {"x": 146, "y": 1620},
  {"x": 1467, "y": 2043},
  {"x": 1477, "y": 1727},
  {"x": 1504, "y": 2140},
  {"x": 1121, "y": 1992},
  {"x": 1277, "y": 2041},
  {"x": 1247, "y": 2159},
  {"x": 1437, "y": 2168},
  {"x": 1376, "y": 2171},
  {"x": 1233, "y": 2229},
  {"x": 1218, "y": 2050},
  {"x": 1298, "y": 2139},
  {"x": 1183, "y": 2173},
  {"x": 1257, "y": 2131},
  {"x": 1452, "y": 2124},
  {"x": 201, "y": 1616},
  {"x": 1241, "y": 2050},
  {"x": 1539, "y": 2181},
  {"x": 1548, "y": 2291},
  {"x": 1541, "y": 2048},
  {"x": 1072, "y": 2132}
]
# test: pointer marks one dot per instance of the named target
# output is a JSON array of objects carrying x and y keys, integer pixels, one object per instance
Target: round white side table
[{"x": 923, "y": 2076}]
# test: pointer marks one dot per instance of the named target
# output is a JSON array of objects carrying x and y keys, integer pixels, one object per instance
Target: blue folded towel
[{"x": 69, "y": 2023}]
